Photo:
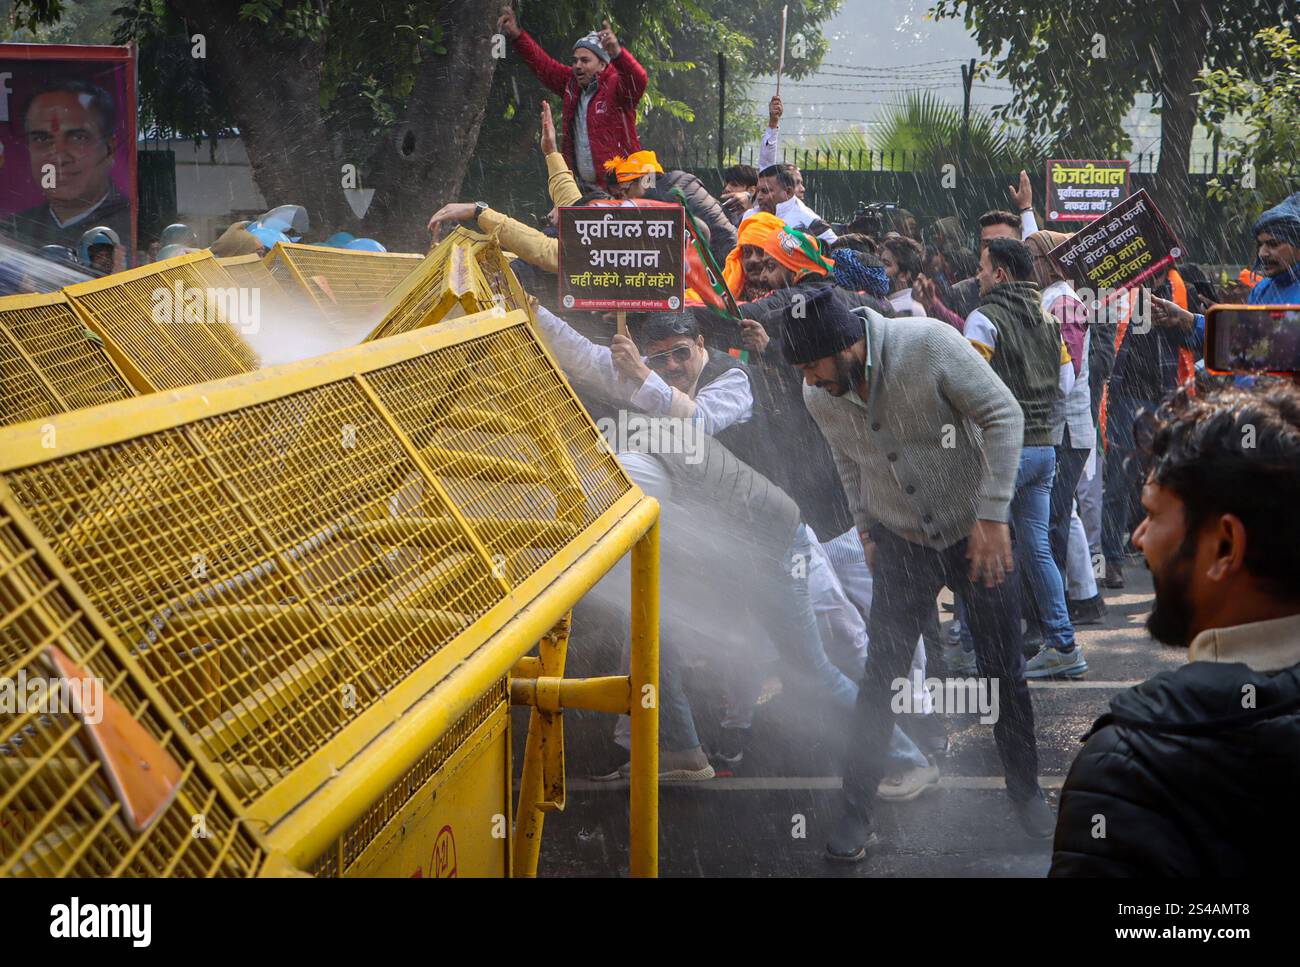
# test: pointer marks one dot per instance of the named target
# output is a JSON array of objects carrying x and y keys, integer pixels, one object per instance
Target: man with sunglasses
[{"x": 676, "y": 377}]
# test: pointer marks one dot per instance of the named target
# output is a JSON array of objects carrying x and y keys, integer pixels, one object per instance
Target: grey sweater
[{"x": 937, "y": 444}]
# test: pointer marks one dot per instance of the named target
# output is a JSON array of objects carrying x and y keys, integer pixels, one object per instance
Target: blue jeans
[
  {"x": 1030, "y": 514},
  {"x": 792, "y": 625},
  {"x": 1069, "y": 468}
]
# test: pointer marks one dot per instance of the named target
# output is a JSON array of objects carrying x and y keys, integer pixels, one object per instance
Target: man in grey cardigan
[{"x": 927, "y": 442}]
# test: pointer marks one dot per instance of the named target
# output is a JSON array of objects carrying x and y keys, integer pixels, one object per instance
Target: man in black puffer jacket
[{"x": 1196, "y": 772}]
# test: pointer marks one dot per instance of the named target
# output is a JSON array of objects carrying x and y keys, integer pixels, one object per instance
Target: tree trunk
[
  {"x": 273, "y": 88},
  {"x": 420, "y": 167},
  {"x": 1187, "y": 40}
]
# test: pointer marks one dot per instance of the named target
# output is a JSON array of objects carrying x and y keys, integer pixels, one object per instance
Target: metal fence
[{"x": 836, "y": 194}]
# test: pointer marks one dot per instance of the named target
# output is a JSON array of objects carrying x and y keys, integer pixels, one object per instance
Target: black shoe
[
  {"x": 730, "y": 750},
  {"x": 850, "y": 839},
  {"x": 1035, "y": 816},
  {"x": 1089, "y": 611},
  {"x": 1114, "y": 578}
]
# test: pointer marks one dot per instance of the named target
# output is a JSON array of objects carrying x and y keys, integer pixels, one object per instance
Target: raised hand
[
  {"x": 507, "y": 24},
  {"x": 627, "y": 358},
  {"x": 548, "y": 129},
  {"x": 1024, "y": 197},
  {"x": 609, "y": 41},
  {"x": 774, "y": 111}
]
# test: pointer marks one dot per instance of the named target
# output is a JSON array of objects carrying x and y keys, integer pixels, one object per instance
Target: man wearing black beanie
[{"x": 927, "y": 442}]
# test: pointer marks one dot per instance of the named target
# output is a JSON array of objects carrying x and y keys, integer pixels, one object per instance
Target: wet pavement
[{"x": 770, "y": 819}]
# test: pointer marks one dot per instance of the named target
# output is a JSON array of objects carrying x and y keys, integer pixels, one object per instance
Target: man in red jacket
[{"x": 601, "y": 91}]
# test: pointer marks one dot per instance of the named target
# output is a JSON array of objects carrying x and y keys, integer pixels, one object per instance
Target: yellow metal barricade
[
  {"x": 343, "y": 283},
  {"x": 169, "y": 324},
  {"x": 251, "y": 270},
  {"x": 50, "y": 362},
  {"x": 59, "y": 812},
  {"x": 464, "y": 273},
  {"x": 329, "y": 573}
]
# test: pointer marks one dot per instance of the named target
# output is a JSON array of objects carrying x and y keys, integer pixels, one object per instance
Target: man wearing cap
[
  {"x": 601, "y": 91},
  {"x": 793, "y": 265},
  {"x": 927, "y": 442}
]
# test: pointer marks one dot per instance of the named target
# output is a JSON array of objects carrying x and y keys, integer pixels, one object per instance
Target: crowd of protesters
[
  {"x": 886, "y": 409},
  {"x": 920, "y": 409}
]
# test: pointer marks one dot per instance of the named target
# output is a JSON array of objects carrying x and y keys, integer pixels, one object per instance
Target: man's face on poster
[{"x": 64, "y": 130}]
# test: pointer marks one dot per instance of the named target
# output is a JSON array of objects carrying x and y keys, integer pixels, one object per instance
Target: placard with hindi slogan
[
  {"x": 622, "y": 259},
  {"x": 1130, "y": 244},
  {"x": 1082, "y": 191}
]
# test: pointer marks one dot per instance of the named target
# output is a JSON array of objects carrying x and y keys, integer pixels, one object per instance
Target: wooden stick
[
  {"x": 621, "y": 321},
  {"x": 781, "y": 65}
]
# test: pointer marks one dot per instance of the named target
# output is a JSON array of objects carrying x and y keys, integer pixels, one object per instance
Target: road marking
[
  {"x": 1068, "y": 683},
  {"x": 803, "y": 783}
]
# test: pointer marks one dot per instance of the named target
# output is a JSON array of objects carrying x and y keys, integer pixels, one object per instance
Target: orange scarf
[{"x": 754, "y": 230}]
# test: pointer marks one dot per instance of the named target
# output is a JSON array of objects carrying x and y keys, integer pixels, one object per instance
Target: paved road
[{"x": 749, "y": 825}]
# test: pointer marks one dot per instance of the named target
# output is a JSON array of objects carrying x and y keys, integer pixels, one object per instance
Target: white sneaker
[
  {"x": 691, "y": 765},
  {"x": 910, "y": 784}
]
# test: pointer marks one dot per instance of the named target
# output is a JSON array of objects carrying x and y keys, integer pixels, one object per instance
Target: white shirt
[
  {"x": 796, "y": 214},
  {"x": 904, "y": 304},
  {"x": 725, "y": 401},
  {"x": 767, "y": 148}
]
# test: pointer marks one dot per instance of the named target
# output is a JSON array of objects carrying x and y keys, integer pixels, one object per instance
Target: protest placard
[
  {"x": 1132, "y": 243},
  {"x": 1082, "y": 191},
  {"x": 622, "y": 259}
]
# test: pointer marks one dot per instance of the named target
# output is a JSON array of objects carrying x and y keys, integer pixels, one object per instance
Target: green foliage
[
  {"x": 678, "y": 44},
  {"x": 369, "y": 53},
  {"x": 921, "y": 132},
  {"x": 176, "y": 93},
  {"x": 56, "y": 22},
  {"x": 1062, "y": 88},
  {"x": 1259, "y": 161}
]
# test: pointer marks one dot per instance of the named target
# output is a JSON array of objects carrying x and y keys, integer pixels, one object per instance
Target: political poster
[
  {"x": 622, "y": 259},
  {"x": 1083, "y": 191},
  {"x": 67, "y": 143},
  {"x": 1130, "y": 244}
]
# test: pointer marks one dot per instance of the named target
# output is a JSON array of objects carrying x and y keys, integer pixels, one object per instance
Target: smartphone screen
[{"x": 1252, "y": 339}]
